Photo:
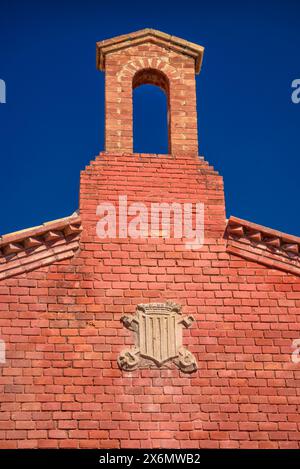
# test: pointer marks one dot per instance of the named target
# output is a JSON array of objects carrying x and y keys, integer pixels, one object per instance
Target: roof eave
[
  {"x": 257, "y": 243},
  {"x": 166, "y": 40}
]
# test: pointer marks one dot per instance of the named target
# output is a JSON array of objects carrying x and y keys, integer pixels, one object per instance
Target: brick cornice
[
  {"x": 149, "y": 35},
  {"x": 114, "y": 159},
  {"x": 37, "y": 247},
  {"x": 263, "y": 245}
]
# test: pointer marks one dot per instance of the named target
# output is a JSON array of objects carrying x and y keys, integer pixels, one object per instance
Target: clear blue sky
[{"x": 52, "y": 124}]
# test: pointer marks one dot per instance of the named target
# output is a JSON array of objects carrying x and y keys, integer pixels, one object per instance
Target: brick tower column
[{"x": 150, "y": 57}]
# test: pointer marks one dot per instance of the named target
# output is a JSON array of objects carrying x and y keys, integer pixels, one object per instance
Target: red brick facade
[{"x": 63, "y": 292}]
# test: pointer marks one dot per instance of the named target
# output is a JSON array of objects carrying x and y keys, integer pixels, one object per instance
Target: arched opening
[{"x": 151, "y": 124}]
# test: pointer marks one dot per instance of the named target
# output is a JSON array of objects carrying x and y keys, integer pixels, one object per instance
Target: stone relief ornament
[{"x": 158, "y": 330}]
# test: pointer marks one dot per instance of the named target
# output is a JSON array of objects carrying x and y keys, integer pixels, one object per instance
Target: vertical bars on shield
[{"x": 158, "y": 336}]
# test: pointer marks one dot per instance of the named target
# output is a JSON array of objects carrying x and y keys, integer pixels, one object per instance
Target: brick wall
[
  {"x": 60, "y": 306},
  {"x": 61, "y": 386}
]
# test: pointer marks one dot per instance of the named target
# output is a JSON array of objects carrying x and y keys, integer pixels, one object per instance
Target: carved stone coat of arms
[{"x": 158, "y": 328}]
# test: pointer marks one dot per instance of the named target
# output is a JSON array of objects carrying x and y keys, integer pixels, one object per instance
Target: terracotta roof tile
[
  {"x": 264, "y": 245},
  {"x": 29, "y": 249}
]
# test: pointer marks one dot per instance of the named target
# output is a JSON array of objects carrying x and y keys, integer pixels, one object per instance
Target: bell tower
[{"x": 150, "y": 57}]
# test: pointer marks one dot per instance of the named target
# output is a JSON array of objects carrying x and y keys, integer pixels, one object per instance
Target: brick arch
[
  {"x": 131, "y": 68},
  {"x": 154, "y": 71},
  {"x": 151, "y": 76},
  {"x": 156, "y": 77},
  {"x": 121, "y": 68}
]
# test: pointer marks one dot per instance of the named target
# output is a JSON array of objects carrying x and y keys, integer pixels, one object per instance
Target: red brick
[{"x": 61, "y": 386}]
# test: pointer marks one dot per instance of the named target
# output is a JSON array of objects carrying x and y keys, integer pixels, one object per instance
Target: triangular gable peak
[{"x": 142, "y": 36}]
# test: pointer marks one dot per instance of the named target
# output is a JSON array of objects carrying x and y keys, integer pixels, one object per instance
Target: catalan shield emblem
[{"x": 158, "y": 328}]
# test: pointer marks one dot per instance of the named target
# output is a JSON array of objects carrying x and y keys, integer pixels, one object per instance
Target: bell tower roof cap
[{"x": 149, "y": 35}]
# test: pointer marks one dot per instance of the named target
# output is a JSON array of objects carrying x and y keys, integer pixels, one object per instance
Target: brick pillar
[{"x": 150, "y": 57}]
